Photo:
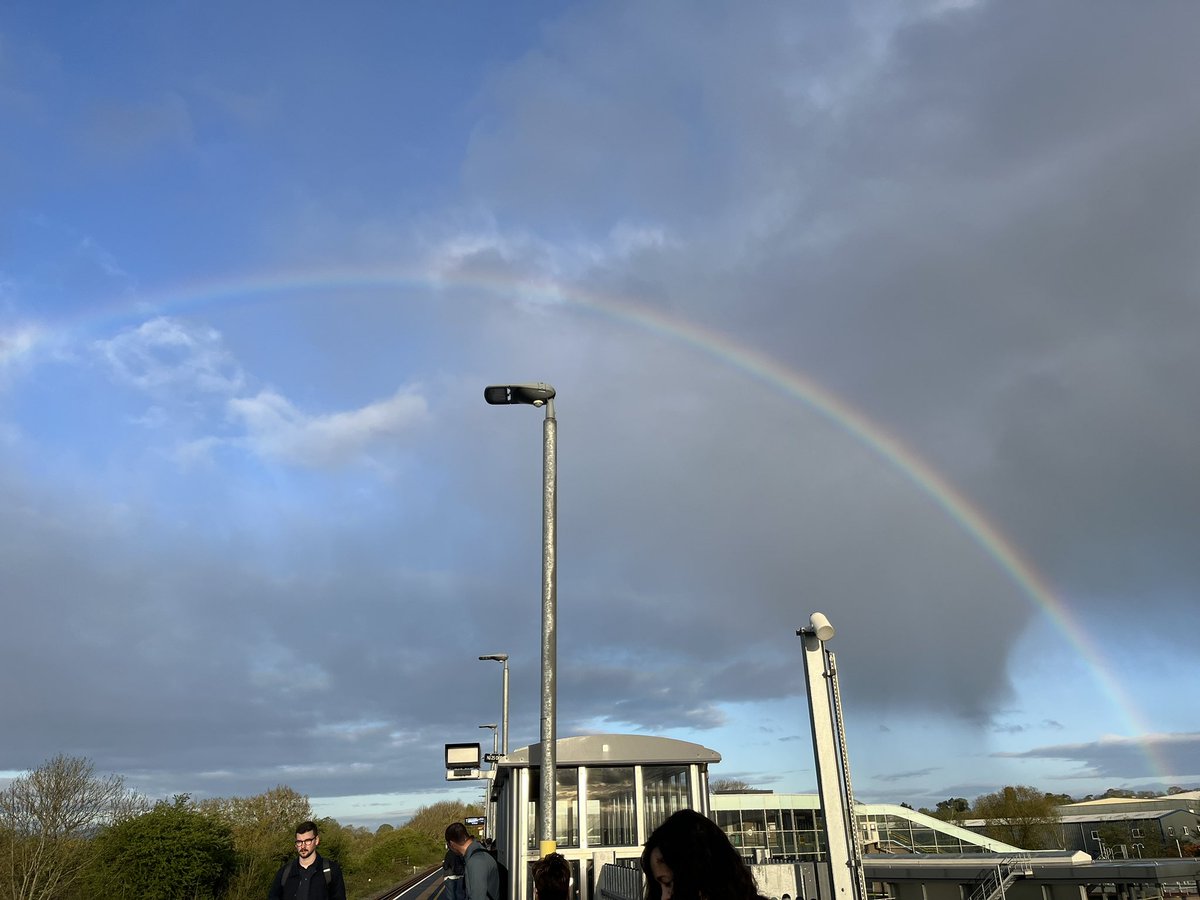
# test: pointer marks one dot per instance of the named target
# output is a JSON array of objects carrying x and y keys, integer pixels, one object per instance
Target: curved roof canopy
[{"x": 614, "y": 750}]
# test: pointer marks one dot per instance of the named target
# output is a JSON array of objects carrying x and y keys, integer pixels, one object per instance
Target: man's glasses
[{"x": 300, "y": 842}]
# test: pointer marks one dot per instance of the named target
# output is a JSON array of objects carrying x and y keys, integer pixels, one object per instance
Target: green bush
[{"x": 172, "y": 852}]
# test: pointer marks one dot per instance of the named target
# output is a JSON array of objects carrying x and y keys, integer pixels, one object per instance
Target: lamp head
[
  {"x": 819, "y": 625},
  {"x": 534, "y": 394},
  {"x": 498, "y": 657}
]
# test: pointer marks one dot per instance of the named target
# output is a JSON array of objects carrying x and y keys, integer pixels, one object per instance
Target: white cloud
[
  {"x": 485, "y": 250},
  {"x": 183, "y": 363},
  {"x": 16, "y": 344},
  {"x": 278, "y": 430},
  {"x": 166, "y": 355}
]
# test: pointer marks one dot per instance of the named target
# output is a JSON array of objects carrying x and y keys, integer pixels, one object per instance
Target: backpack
[
  {"x": 287, "y": 872},
  {"x": 502, "y": 870}
]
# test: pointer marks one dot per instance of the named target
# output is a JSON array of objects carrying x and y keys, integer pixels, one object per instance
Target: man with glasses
[{"x": 310, "y": 876}]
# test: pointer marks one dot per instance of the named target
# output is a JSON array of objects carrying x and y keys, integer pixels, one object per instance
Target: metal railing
[
  {"x": 619, "y": 882},
  {"x": 994, "y": 881}
]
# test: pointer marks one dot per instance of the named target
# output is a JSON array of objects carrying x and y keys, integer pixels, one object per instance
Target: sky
[{"x": 887, "y": 311}]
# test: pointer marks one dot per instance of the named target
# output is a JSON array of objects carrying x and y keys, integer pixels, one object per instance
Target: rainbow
[{"x": 719, "y": 347}]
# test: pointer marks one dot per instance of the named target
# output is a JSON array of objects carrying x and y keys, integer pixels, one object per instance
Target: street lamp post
[
  {"x": 489, "y": 827},
  {"x": 833, "y": 763},
  {"x": 492, "y": 726},
  {"x": 541, "y": 394},
  {"x": 502, "y": 658}
]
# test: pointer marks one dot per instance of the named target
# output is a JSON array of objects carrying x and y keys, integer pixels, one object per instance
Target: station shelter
[{"x": 612, "y": 791}]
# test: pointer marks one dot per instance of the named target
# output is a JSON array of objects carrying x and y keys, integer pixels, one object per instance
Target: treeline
[
  {"x": 67, "y": 833},
  {"x": 1029, "y": 818}
]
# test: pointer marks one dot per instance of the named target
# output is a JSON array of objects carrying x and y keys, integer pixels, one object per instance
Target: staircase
[{"x": 995, "y": 881}]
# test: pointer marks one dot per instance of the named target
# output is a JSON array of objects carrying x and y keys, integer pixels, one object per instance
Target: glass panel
[
  {"x": 566, "y": 825},
  {"x": 666, "y": 791},
  {"x": 730, "y": 822},
  {"x": 754, "y": 829},
  {"x": 567, "y": 808},
  {"x": 611, "y": 807},
  {"x": 531, "y": 816},
  {"x": 924, "y": 840}
]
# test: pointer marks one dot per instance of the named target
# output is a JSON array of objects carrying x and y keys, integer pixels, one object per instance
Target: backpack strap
[{"x": 328, "y": 874}]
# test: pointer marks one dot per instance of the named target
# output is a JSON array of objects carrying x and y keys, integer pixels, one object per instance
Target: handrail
[{"x": 996, "y": 879}]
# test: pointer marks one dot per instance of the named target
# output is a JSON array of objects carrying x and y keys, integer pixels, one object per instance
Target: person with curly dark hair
[
  {"x": 552, "y": 877},
  {"x": 688, "y": 857}
]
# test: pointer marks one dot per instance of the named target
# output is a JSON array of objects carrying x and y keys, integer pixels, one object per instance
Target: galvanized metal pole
[
  {"x": 539, "y": 394},
  {"x": 504, "y": 710},
  {"x": 549, "y": 794},
  {"x": 489, "y": 827},
  {"x": 502, "y": 658}
]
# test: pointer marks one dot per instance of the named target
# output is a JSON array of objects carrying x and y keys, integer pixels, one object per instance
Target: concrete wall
[{"x": 800, "y": 881}]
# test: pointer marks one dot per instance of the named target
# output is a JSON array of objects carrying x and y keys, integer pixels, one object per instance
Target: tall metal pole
[
  {"x": 549, "y": 794},
  {"x": 504, "y": 711},
  {"x": 840, "y": 825},
  {"x": 542, "y": 394}
]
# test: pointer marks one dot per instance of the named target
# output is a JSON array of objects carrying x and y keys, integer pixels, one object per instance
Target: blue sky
[{"x": 257, "y": 265}]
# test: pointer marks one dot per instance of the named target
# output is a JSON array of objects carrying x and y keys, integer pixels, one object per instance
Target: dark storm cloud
[
  {"x": 905, "y": 776},
  {"x": 1025, "y": 227},
  {"x": 983, "y": 242},
  {"x": 1150, "y": 756}
]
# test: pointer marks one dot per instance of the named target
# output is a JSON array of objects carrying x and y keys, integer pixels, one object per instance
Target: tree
[
  {"x": 1022, "y": 816},
  {"x": 47, "y": 819},
  {"x": 728, "y": 786},
  {"x": 953, "y": 809},
  {"x": 1119, "y": 841},
  {"x": 264, "y": 827},
  {"x": 174, "y": 850},
  {"x": 338, "y": 842},
  {"x": 432, "y": 820},
  {"x": 1153, "y": 845}
]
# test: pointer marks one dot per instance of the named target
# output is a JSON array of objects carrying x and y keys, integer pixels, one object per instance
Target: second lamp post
[{"x": 502, "y": 658}]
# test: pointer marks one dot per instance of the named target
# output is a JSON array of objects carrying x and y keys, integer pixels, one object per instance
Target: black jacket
[
  {"x": 291, "y": 875},
  {"x": 453, "y": 864}
]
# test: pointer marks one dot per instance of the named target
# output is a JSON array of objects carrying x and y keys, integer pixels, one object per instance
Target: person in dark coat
[
  {"x": 453, "y": 867},
  {"x": 309, "y": 876},
  {"x": 482, "y": 874}
]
